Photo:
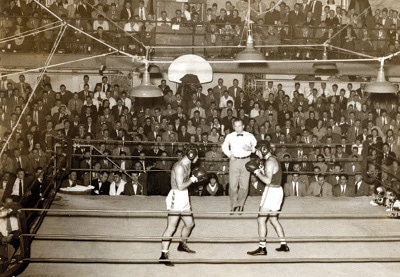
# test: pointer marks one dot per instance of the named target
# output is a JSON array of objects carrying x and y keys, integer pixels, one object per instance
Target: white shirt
[
  {"x": 112, "y": 102},
  {"x": 104, "y": 25},
  {"x": 15, "y": 190},
  {"x": 233, "y": 144},
  {"x": 134, "y": 28},
  {"x": 127, "y": 102},
  {"x": 326, "y": 91},
  {"x": 162, "y": 21},
  {"x": 223, "y": 100},
  {"x": 117, "y": 191},
  {"x": 296, "y": 188},
  {"x": 100, "y": 94}
]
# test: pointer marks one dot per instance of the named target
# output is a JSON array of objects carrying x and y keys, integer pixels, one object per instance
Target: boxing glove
[
  {"x": 200, "y": 173},
  {"x": 252, "y": 165}
]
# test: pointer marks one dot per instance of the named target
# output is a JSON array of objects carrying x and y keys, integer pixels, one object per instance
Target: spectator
[
  {"x": 320, "y": 188},
  {"x": 117, "y": 186},
  {"x": 295, "y": 187},
  {"x": 133, "y": 186},
  {"x": 212, "y": 188},
  {"x": 343, "y": 188}
]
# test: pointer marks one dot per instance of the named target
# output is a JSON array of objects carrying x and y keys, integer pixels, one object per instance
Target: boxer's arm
[
  {"x": 180, "y": 178},
  {"x": 267, "y": 177}
]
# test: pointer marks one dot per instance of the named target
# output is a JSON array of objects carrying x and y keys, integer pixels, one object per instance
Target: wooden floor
[{"x": 302, "y": 219}]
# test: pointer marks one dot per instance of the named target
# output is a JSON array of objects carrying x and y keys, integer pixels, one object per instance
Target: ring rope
[
  {"x": 68, "y": 212},
  {"x": 218, "y": 261},
  {"x": 314, "y": 239}
]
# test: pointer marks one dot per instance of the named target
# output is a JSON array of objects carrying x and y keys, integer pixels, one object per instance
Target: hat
[{"x": 282, "y": 4}]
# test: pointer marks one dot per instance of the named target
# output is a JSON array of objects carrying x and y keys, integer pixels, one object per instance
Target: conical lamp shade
[
  {"x": 380, "y": 85},
  {"x": 249, "y": 53},
  {"x": 325, "y": 65},
  {"x": 146, "y": 89}
]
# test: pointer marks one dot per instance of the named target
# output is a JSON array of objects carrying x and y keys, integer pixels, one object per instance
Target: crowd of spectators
[
  {"x": 122, "y": 25},
  {"x": 316, "y": 130}
]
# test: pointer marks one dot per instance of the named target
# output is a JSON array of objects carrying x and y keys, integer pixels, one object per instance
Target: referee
[{"x": 238, "y": 147}]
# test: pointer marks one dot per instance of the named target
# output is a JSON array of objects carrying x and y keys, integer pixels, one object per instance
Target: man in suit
[
  {"x": 121, "y": 148},
  {"x": 343, "y": 188},
  {"x": 320, "y": 188},
  {"x": 383, "y": 119},
  {"x": 295, "y": 187},
  {"x": 315, "y": 6},
  {"x": 218, "y": 91},
  {"x": 73, "y": 8},
  {"x": 71, "y": 181},
  {"x": 286, "y": 167},
  {"x": 178, "y": 19},
  {"x": 296, "y": 17},
  {"x": 101, "y": 185},
  {"x": 21, "y": 161},
  {"x": 354, "y": 131},
  {"x": 105, "y": 86},
  {"x": 353, "y": 166},
  {"x": 35, "y": 161},
  {"x": 75, "y": 104},
  {"x": 342, "y": 100},
  {"x": 212, "y": 157},
  {"x": 126, "y": 12},
  {"x": 258, "y": 10},
  {"x": 235, "y": 90},
  {"x": 134, "y": 187},
  {"x": 141, "y": 10},
  {"x": 334, "y": 178},
  {"x": 388, "y": 155},
  {"x": 361, "y": 188},
  {"x": 17, "y": 188},
  {"x": 256, "y": 188}
]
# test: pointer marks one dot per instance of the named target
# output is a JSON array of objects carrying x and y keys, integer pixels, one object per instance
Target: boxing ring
[{"x": 87, "y": 235}]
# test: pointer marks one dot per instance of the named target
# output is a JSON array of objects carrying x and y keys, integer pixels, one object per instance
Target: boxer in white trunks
[
  {"x": 271, "y": 200},
  {"x": 178, "y": 202}
]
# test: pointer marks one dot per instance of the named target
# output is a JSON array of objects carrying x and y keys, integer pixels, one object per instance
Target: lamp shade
[
  {"x": 380, "y": 85},
  {"x": 146, "y": 89},
  {"x": 325, "y": 66},
  {"x": 249, "y": 53}
]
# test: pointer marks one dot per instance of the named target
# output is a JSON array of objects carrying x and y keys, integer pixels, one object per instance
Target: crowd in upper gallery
[{"x": 310, "y": 22}]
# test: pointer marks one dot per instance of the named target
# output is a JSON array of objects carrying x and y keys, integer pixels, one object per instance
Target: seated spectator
[
  {"x": 320, "y": 188},
  {"x": 133, "y": 186},
  {"x": 212, "y": 188},
  {"x": 361, "y": 188},
  {"x": 256, "y": 188},
  {"x": 114, "y": 14},
  {"x": 163, "y": 20},
  {"x": 164, "y": 163},
  {"x": 117, "y": 186},
  {"x": 101, "y": 184},
  {"x": 344, "y": 188},
  {"x": 71, "y": 181},
  {"x": 104, "y": 37},
  {"x": 178, "y": 19},
  {"x": 295, "y": 187}
]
